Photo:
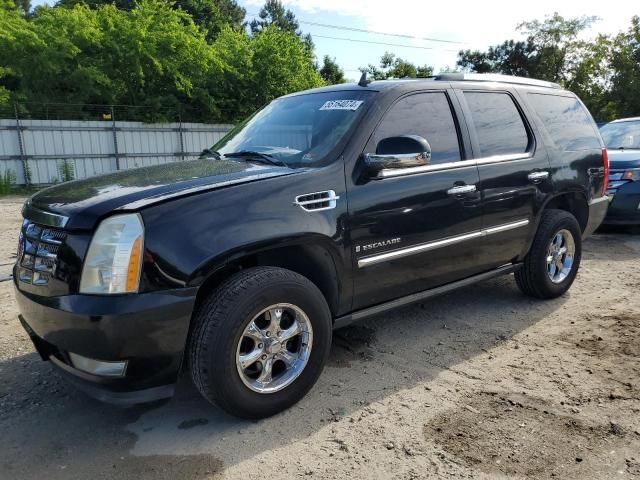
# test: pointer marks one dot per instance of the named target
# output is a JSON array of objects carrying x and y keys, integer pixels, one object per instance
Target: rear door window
[
  {"x": 427, "y": 115},
  {"x": 566, "y": 121},
  {"x": 499, "y": 126}
]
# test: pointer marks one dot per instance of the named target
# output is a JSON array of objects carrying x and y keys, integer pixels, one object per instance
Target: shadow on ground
[{"x": 50, "y": 429}]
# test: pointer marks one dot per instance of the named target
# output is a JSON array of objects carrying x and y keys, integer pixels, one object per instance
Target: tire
[
  {"x": 219, "y": 338},
  {"x": 535, "y": 277}
]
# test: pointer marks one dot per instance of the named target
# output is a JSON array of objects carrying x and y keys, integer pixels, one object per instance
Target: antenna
[{"x": 364, "y": 81}]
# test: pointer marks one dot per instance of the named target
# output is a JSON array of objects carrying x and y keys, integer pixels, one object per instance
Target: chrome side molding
[
  {"x": 437, "y": 167},
  {"x": 445, "y": 242}
]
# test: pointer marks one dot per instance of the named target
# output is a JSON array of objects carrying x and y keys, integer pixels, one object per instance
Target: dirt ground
[{"x": 480, "y": 383}]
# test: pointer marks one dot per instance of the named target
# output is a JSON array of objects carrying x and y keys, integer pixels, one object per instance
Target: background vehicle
[
  {"x": 326, "y": 207},
  {"x": 622, "y": 138}
]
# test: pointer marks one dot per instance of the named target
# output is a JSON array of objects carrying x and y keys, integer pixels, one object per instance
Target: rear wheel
[
  {"x": 260, "y": 342},
  {"x": 552, "y": 264}
]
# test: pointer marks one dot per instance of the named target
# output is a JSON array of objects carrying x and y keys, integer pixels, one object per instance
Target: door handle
[
  {"x": 537, "y": 177},
  {"x": 461, "y": 190}
]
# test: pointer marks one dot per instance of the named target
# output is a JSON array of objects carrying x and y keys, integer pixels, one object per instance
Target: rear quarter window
[{"x": 566, "y": 121}]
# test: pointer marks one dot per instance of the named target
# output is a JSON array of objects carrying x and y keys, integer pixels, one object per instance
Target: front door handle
[
  {"x": 461, "y": 190},
  {"x": 537, "y": 177}
]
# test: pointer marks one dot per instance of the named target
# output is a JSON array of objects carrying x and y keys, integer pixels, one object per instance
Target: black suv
[{"x": 325, "y": 207}]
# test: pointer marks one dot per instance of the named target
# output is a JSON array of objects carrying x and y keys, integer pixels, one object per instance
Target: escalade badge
[{"x": 375, "y": 245}]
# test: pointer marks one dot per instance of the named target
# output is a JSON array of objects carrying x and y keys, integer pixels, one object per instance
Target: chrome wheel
[
  {"x": 560, "y": 256},
  {"x": 274, "y": 348}
]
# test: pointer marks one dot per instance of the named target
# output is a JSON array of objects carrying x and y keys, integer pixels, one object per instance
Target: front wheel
[
  {"x": 260, "y": 342},
  {"x": 552, "y": 264}
]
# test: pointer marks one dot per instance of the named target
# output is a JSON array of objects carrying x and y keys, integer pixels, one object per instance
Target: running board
[{"x": 416, "y": 297}]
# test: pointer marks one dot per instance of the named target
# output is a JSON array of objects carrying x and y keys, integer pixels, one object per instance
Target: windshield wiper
[
  {"x": 257, "y": 156},
  {"x": 212, "y": 153}
]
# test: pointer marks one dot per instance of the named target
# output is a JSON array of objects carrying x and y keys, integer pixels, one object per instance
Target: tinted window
[
  {"x": 498, "y": 123},
  {"x": 427, "y": 115},
  {"x": 566, "y": 121}
]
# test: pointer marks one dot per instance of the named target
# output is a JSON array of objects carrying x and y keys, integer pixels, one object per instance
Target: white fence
[{"x": 39, "y": 147}]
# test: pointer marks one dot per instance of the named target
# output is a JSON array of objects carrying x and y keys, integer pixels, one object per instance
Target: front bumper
[
  {"x": 148, "y": 331},
  {"x": 625, "y": 206}
]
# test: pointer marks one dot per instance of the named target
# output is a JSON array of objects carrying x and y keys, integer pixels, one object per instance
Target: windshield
[
  {"x": 300, "y": 131},
  {"x": 621, "y": 135}
]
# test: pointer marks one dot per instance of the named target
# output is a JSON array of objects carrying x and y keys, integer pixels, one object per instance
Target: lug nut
[
  {"x": 279, "y": 333},
  {"x": 260, "y": 345},
  {"x": 268, "y": 334},
  {"x": 264, "y": 357}
]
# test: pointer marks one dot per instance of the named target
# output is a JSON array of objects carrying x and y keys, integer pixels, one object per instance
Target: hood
[
  {"x": 622, "y": 159},
  {"x": 84, "y": 202}
]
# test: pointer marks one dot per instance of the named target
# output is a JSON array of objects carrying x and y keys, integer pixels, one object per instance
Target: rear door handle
[
  {"x": 461, "y": 190},
  {"x": 537, "y": 177}
]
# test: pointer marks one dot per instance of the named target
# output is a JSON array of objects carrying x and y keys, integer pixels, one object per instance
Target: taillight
[{"x": 605, "y": 178}]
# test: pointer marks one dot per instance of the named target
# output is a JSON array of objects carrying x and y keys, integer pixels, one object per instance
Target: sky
[
  {"x": 463, "y": 24},
  {"x": 474, "y": 24}
]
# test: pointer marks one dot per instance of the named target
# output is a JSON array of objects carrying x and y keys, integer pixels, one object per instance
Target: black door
[
  {"x": 416, "y": 228},
  {"x": 514, "y": 172}
]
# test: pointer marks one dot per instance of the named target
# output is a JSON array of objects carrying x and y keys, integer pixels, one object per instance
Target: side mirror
[{"x": 405, "y": 151}]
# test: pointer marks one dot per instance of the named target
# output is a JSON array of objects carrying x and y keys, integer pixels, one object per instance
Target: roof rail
[{"x": 495, "y": 77}]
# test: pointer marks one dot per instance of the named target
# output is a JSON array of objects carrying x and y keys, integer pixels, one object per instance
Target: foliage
[
  {"x": 623, "y": 97},
  {"x": 28, "y": 176},
  {"x": 210, "y": 15},
  {"x": 274, "y": 14},
  {"x": 66, "y": 171},
  {"x": 550, "y": 48},
  {"x": 331, "y": 72},
  {"x": 7, "y": 181},
  {"x": 281, "y": 64},
  {"x": 151, "y": 56},
  {"x": 604, "y": 72},
  {"x": 395, "y": 67}
]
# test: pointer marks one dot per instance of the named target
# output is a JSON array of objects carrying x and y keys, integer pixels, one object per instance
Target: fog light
[{"x": 97, "y": 367}]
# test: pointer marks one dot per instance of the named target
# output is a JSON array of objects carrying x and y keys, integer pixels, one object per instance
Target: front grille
[{"x": 38, "y": 253}]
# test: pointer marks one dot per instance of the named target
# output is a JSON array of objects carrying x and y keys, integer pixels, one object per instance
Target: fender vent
[{"x": 318, "y": 201}]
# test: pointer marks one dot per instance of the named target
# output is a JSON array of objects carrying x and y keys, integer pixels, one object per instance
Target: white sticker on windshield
[{"x": 341, "y": 105}]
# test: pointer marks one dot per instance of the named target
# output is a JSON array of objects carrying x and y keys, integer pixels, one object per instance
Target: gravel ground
[{"x": 480, "y": 383}]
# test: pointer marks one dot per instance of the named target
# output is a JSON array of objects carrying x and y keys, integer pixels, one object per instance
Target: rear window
[{"x": 566, "y": 121}]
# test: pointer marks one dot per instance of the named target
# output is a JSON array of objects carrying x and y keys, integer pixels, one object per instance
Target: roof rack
[{"x": 495, "y": 77}]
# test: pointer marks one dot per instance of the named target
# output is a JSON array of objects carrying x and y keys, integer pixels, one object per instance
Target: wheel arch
[
  {"x": 572, "y": 201},
  {"x": 313, "y": 257}
]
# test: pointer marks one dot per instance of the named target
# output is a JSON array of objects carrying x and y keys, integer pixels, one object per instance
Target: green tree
[
  {"x": 623, "y": 98},
  {"x": 550, "y": 49},
  {"x": 395, "y": 67},
  {"x": 274, "y": 14},
  {"x": 209, "y": 15},
  {"x": 554, "y": 51},
  {"x": 331, "y": 72},
  {"x": 282, "y": 63},
  {"x": 152, "y": 56}
]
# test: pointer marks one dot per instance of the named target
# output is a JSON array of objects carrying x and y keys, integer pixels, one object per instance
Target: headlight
[{"x": 114, "y": 259}]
